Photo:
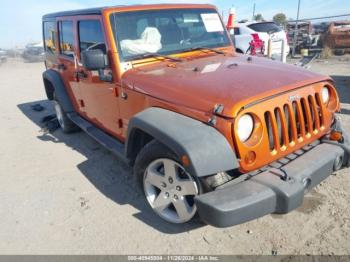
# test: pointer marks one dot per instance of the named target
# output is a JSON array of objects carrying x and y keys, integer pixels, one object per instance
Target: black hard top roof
[{"x": 89, "y": 11}]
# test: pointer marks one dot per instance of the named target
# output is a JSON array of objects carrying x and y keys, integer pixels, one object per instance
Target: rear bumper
[{"x": 267, "y": 192}]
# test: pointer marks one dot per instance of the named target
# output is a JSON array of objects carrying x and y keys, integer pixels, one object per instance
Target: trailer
[{"x": 338, "y": 37}]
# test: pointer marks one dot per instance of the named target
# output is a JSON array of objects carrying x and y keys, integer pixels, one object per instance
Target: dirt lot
[{"x": 65, "y": 194}]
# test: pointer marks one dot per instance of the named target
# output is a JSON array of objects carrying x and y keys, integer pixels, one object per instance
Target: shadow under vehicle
[{"x": 114, "y": 180}]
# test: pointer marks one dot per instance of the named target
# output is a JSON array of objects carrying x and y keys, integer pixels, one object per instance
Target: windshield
[{"x": 166, "y": 31}]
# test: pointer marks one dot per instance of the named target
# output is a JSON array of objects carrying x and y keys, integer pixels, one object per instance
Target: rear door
[
  {"x": 100, "y": 98},
  {"x": 66, "y": 62}
]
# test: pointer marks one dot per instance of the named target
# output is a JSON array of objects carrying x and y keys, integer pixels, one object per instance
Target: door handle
[{"x": 61, "y": 67}]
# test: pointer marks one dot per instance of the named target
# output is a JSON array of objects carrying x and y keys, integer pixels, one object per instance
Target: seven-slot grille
[{"x": 289, "y": 124}]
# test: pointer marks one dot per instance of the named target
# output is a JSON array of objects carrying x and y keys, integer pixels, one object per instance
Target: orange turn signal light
[
  {"x": 336, "y": 136},
  {"x": 185, "y": 160}
]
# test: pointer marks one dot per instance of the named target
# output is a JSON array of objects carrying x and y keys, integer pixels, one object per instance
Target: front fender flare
[{"x": 208, "y": 150}]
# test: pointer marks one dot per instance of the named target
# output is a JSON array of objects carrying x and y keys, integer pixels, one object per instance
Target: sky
[{"x": 20, "y": 20}]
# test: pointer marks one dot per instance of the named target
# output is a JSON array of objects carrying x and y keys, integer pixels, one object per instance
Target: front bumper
[{"x": 276, "y": 190}]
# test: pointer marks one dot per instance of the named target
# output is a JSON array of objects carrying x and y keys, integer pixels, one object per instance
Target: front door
[{"x": 99, "y": 97}]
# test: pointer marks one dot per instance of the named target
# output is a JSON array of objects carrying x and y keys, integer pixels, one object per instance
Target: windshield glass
[{"x": 167, "y": 31}]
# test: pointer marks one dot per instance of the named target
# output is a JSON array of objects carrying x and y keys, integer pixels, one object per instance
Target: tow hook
[{"x": 283, "y": 174}]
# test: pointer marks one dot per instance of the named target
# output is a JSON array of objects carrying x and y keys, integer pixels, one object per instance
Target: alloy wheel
[{"x": 170, "y": 190}]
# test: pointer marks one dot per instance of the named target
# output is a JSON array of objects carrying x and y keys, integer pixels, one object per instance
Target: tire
[
  {"x": 168, "y": 188},
  {"x": 65, "y": 123}
]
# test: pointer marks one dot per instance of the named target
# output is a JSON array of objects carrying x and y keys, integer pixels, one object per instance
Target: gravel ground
[{"x": 65, "y": 194}]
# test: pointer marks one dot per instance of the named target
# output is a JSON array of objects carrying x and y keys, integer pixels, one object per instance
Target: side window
[
  {"x": 66, "y": 38},
  {"x": 50, "y": 36},
  {"x": 91, "y": 35},
  {"x": 237, "y": 31}
]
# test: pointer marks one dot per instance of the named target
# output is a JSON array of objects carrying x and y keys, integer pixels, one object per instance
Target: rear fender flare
[{"x": 60, "y": 91}]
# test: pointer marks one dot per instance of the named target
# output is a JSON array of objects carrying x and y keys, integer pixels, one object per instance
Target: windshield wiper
[
  {"x": 158, "y": 56},
  {"x": 202, "y": 48}
]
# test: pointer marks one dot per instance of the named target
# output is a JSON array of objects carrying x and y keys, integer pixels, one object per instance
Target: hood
[{"x": 232, "y": 81}]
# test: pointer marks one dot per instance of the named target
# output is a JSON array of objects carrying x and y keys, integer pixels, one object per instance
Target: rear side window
[
  {"x": 91, "y": 35},
  {"x": 50, "y": 36},
  {"x": 66, "y": 38},
  {"x": 265, "y": 27}
]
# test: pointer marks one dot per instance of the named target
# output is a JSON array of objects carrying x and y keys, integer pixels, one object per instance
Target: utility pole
[
  {"x": 296, "y": 30},
  {"x": 254, "y": 11}
]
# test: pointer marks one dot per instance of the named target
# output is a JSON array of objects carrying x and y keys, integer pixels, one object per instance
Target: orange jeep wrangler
[{"x": 229, "y": 136}]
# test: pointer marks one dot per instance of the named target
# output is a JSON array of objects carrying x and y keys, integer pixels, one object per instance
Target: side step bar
[{"x": 110, "y": 143}]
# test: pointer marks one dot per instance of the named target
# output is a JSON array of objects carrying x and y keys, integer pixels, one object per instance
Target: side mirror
[{"x": 94, "y": 60}]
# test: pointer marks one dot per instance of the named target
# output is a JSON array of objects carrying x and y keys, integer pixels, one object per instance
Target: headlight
[
  {"x": 245, "y": 127},
  {"x": 325, "y": 95}
]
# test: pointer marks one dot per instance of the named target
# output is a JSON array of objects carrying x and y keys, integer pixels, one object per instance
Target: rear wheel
[
  {"x": 168, "y": 187},
  {"x": 65, "y": 123}
]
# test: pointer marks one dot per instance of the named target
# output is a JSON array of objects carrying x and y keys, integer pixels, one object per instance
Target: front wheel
[{"x": 168, "y": 187}]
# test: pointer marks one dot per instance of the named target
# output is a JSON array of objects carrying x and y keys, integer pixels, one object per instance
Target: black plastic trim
[
  {"x": 109, "y": 142},
  {"x": 89, "y": 11},
  {"x": 60, "y": 91},
  {"x": 208, "y": 150},
  {"x": 266, "y": 192}
]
